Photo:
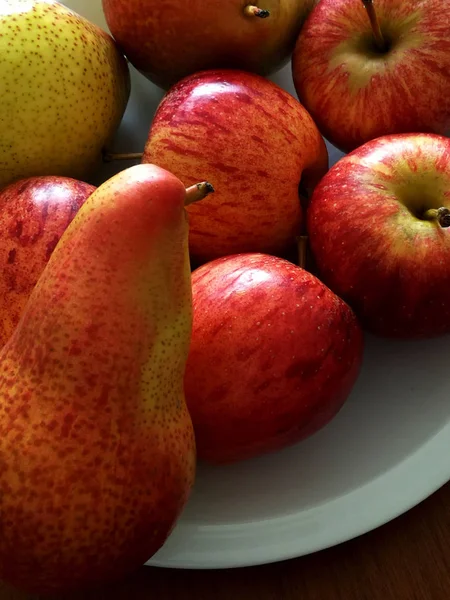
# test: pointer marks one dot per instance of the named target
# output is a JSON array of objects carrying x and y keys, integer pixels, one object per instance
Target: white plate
[{"x": 387, "y": 450}]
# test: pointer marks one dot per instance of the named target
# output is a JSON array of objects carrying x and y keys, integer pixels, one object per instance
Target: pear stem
[
  {"x": 254, "y": 11},
  {"x": 376, "y": 30},
  {"x": 110, "y": 156},
  {"x": 302, "y": 247},
  {"x": 441, "y": 215},
  {"x": 198, "y": 192}
]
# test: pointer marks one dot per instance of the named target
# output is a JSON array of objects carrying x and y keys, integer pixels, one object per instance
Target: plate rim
[{"x": 341, "y": 519}]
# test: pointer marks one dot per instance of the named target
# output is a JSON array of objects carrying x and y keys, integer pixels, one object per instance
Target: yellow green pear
[
  {"x": 97, "y": 453},
  {"x": 64, "y": 88}
]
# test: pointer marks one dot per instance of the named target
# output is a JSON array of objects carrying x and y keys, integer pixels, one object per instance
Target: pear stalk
[
  {"x": 197, "y": 192},
  {"x": 254, "y": 11},
  {"x": 441, "y": 215},
  {"x": 375, "y": 24},
  {"x": 111, "y": 156}
]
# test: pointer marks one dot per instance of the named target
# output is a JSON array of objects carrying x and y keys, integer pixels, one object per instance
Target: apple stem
[
  {"x": 198, "y": 192},
  {"x": 110, "y": 156},
  {"x": 378, "y": 36},
  {"x": 302, "y": 247},
  {"x": 254, "y": 11},
  {"x": 441, "y": 215}
]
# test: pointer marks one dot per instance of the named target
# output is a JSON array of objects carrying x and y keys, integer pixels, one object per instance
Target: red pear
[{"x": 97, "y": 452}]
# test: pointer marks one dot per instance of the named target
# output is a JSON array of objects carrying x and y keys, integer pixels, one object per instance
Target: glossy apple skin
[
  {"x": 253, "y": 141},
  {"x": 169, "y": 40},
  {"x": 355, "y": 94},
  {"x": 274, "y": 355},
  {"x": 34, "y": 213},
  {"x": 390, "y": 265}
]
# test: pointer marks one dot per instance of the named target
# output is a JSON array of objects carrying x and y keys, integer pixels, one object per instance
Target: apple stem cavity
[
  {"x": 110, "y": 156},
  {"x": 254, "y": 11},
  {"x": 198, "y": 192},
  {"x": 441, "y": 215},
  {"x": 380, "y": 42},
  {"x": 302, "y": 247}
]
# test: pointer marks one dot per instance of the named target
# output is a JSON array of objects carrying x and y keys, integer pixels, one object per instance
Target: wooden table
[{"x": 407, "y": 559}]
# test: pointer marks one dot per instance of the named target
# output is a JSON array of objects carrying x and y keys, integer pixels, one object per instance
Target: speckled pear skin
[
  {"x": 97, "y": 453},
  {"x": 64, "y": 88}
]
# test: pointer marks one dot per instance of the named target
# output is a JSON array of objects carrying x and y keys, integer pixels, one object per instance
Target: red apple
[
  {"x": 361, "y": 81},
  {"x": 254, "y": 142},
  {"x": 34, "y": 213},
  {"x": 274, "y": 355},
  {"x": 172, "y": 39},
  {"x": 378, "y": 231}
]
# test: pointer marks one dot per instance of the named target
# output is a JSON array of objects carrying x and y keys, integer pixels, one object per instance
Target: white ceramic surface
[{"x": 387, "y": 450}]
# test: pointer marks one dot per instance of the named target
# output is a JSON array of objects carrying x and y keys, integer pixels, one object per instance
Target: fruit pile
[{"x": 209, "y": 302}]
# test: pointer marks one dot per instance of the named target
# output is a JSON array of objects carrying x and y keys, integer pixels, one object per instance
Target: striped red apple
[
  {"x": 274, "y": 355},
  {"x": 366, "y": 68},
  {"x": 255, "y": 143},
  {"x": 34, "y": 213},
  {"x": 378, "y": 225},
  {"x": 170, "y": 40}
]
